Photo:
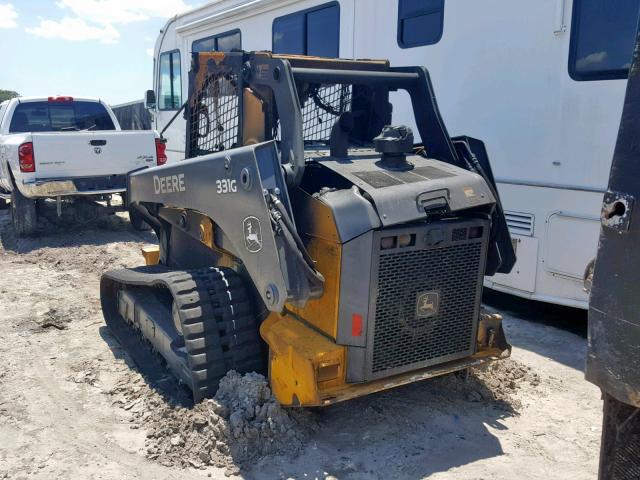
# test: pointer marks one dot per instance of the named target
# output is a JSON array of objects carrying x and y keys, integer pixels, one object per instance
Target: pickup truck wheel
[
  {"x": 137, "y": 220},
  {"x": 23, "y": 214}
]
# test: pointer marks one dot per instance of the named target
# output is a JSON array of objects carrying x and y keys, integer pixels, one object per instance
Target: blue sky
[{"x": 93, "y": 48}]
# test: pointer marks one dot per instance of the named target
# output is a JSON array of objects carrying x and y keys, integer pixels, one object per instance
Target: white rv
[{"x": 541, "y": 82}]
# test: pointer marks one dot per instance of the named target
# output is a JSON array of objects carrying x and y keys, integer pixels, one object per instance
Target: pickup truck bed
[
  {"x": 66, "y": 148},
  {"x": 86, "y": 163}
]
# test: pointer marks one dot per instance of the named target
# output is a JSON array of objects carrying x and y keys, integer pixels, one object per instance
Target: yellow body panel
[
  {"x": 253, "y": 118},
  {"x": 301, "y": 360},
  {"x": 322, "y": 312},
  {"x": 323, "y": 244},
  {"x": 297, "y": 357},
  {"x": 151, "y": 254}
]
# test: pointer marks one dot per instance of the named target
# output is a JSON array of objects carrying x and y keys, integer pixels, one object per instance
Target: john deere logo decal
[
  {"x": 252, "y": 234},
  {"x": 427, "y": 304}
]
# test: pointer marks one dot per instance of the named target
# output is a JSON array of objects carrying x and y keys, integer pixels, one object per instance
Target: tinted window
[
  {"x": 170, "y": 82},
  {"x": 420, "y": 22},
  {"x": 602, "y": 38},
  {"x": 310, "y": 32},
  {"x": 224, "y": 42},
  {"x": 323, "y": 31},
  {"x": 60, "y": 117},
  {"x": 289, "y": 35}
]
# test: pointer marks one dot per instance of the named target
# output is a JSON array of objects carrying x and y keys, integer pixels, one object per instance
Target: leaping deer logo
[
  {"x": 252, "y": 234},
  {"x": 427, "y": 304}
]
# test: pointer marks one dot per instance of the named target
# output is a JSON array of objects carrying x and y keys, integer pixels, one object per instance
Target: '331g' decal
[{"x": 226, "y": 185}]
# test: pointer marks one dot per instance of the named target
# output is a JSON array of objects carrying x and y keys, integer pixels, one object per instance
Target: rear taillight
[
  {"x": 60, "y": 99},
  {"x": 161, "y": 152},
  {"x": 26, "y": 158}
]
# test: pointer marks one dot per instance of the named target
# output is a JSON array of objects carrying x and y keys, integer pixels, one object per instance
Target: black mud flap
[{"x": 501, "y": 256}]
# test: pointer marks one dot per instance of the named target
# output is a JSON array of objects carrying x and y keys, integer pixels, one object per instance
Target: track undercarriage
[{"x": 200, "y": 321}]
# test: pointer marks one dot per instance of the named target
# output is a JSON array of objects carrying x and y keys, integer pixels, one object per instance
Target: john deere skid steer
[{"x": 308, "y": 236}]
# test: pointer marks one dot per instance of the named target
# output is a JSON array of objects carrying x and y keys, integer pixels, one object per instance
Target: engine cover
[{"x": 406, "y": 196}]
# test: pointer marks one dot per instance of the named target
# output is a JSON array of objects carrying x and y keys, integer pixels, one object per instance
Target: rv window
[
  {"x": 170, "y": 82},
  {"x": 223, "y": 42},
  {"x": 602, "y": 39},
  {"x": 420, "y": 22},
  {"x": 315, "y": 31}
]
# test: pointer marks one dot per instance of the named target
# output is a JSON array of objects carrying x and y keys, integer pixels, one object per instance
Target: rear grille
[
  {"x": 447, "y": 278},
  {"x": 519, "y": 223}
]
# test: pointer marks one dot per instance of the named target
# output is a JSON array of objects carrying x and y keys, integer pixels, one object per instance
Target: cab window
[
  {"x": 602, "y": 39},
  {"x": 170, "y": 81},
  {"x": 315, "y": 31}
]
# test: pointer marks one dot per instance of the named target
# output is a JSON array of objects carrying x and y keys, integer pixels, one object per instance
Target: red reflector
[
  {"x": 60, "y": 99},
  {"x": 161, "y": 152},
  {"x": 26, "y": 158},
  {"x": 356, "y": 325}
]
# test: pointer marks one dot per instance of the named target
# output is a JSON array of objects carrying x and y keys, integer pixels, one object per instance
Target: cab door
[{"x": 169, "y": 98}]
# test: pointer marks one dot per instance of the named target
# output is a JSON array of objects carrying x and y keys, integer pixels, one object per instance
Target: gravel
[
  {"x": 241, "y": 423},
  {"x": 244, "y": 423}
]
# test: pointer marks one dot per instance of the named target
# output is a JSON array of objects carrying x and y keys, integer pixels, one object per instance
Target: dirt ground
[{"x": 72, "y": 407}]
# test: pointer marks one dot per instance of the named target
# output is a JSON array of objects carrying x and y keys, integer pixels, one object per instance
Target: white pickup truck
[{"x": 66, "y": 148}]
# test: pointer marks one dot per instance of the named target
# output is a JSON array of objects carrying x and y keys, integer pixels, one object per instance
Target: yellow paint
[
  {"x": 206, "y": 231},
  {"x": 300, "y": 357},
  {"x": 319, "y": 231},
  {"x": 203, "y": 71},
  {"x": 296, "y": 354},
  {"x": 151, "y": 254},
  {"x": 322, "y": 313},
  {"x": 207, "y": 236},
  {"x": 253, "y": 118}
]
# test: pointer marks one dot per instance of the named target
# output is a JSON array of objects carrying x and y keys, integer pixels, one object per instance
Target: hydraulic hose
[{"x": 290, "y": 234}]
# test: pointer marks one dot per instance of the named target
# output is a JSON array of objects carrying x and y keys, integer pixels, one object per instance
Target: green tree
[{"x": 7, "y": 94}]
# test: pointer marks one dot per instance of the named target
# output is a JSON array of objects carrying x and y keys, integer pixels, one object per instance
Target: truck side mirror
[{"x": 150, "y": 100}]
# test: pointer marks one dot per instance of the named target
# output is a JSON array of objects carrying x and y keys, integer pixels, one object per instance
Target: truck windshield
[{"x": 60, "y": 117}]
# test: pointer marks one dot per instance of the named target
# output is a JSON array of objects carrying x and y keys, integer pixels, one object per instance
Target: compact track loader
[{"x": 308, "y": 237}]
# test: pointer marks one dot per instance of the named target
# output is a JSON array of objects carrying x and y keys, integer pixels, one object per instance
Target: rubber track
[{"x": 219, "y": 330}]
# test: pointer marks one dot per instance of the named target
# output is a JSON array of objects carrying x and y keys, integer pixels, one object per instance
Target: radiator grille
[{"x": 403, "y": 340}]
